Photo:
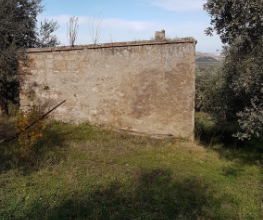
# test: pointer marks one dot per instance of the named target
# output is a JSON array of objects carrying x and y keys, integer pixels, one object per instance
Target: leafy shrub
[
  {"x": 204, "y": 127},
  {"x": 251, "y": 120},
  {"x": 210, "y": 93},
  {"x": 29, "y": 136}
]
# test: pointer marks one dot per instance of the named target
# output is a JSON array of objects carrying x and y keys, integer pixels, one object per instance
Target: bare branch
[
  {"x": 96, "y": 28},
  {"x": 112, "y": 40},
  {"x": 73, "y": 30}
]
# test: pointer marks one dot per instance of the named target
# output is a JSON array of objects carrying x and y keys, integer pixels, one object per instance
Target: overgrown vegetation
[
  {"x": 27, "y": 137},
  {"x": 89, "y": 172},
  {"x": 18, "y": 30},
  {"x": 239, "y": 95}
]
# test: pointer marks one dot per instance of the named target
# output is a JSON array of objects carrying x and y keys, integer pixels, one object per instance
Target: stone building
[{"x": 146, "y": 87}]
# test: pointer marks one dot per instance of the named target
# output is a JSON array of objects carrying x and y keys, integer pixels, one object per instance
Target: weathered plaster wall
[{"x": 144, "y": 87}]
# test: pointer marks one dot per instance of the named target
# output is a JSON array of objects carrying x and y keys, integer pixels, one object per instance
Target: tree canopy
[
  {"x": 239, "y": 23},
  {"x": 18, "y": 30}
]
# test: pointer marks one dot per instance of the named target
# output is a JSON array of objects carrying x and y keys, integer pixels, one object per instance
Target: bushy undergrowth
[
  {"x": 29, "y": 126},
  {"x": 208, "y": 84},
  {"x": 232, "y": 93},
  {"x": 213, "y": 99}
]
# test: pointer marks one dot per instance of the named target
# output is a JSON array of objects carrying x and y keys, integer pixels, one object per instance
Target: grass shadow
[
  {"x": 151, "y": 194},
  {"x": 50, "y": 149},
  {"x": 7, "y": 127},
  {"x": 247, "y": 152}
]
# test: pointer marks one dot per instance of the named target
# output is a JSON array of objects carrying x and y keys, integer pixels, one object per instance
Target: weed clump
[{"x": 29, "y": 135}]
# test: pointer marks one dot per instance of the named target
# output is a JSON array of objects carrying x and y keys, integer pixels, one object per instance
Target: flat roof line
[{"x": 107, "y": 45}]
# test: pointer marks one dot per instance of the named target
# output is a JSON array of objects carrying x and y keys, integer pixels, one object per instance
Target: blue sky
[{"x": 127, "y": 20}]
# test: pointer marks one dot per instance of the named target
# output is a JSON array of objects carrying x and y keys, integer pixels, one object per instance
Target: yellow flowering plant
[{"x": 29, "y": 136}]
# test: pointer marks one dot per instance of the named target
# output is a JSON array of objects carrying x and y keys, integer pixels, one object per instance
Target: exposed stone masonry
[{"x": 143, "y": 86}]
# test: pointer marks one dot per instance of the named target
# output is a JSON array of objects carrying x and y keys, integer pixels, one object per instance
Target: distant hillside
[
  {"x": 205, "y": 62},
  {"x": 206, "y": 59},
  {"x": 214, "y": 55}
]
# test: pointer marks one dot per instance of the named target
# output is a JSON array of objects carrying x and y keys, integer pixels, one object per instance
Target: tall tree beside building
[
  {"x": 18, "y": 30},
  {"x": 240, "y": 25}
]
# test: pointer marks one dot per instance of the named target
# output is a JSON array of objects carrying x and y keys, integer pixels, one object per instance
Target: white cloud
[
  {"x": 179, "y": 5},
  {"x": 124, "y": 30},
  {"x": 114, "y": 23},
  {"x": 130, "y": 25}
]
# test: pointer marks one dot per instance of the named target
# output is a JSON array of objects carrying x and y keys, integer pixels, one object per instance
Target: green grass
[{"x": 89, "y": 172}]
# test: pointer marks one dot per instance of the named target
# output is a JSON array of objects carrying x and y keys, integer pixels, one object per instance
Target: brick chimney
[{"x": 160, "y": 35}]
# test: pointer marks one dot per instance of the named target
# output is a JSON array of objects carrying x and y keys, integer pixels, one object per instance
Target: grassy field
[{"x": 89, "y": 172}]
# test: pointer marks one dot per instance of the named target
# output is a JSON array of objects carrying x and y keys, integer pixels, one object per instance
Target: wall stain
[{"x": 144, "y": 87}]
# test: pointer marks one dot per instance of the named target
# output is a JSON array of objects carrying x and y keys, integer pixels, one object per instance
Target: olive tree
[
  {"x": 18, "y": 30},
  {"x": 239, "y": 23}
]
